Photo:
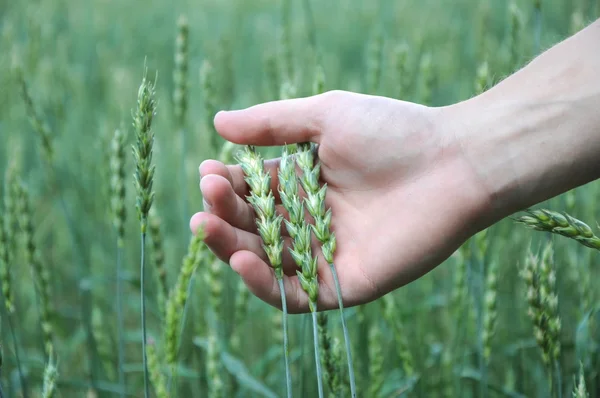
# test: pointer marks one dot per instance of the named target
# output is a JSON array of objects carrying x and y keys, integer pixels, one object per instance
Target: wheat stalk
[
  {"x": 376, "y": 361},
  {"x": 213, "y": 362},
  {"x": 426, "y": 79},
  {"x": 50, "y": 376},
  {"x": 374, "y": 61},
  {"x": 103, "y": 342},
  {"x": 269, "y": 227},
  {"x": 540, "y": 279},
  {"x": 42, "y": 128},
  {"x": 330, "y": 363},
  {"x": 37, "y": 122},
  {"x": 207, "y": 81},
  {"x": 490, "y": 312},
  {"x": 392, "y": 316},
  {"x": 7, "y": 290},
  {"x": 241, "y": 308},
  {"x": 516, "y": 25},
  {"x": 158, "y": 379},
  {"x": 158, "y": 259},
  {"x": 119, "y": 217},
  {"x": 400, "y": 69},
  {"x": 178, "y": 297},
  {"x": 272, "y": 75},
  {"x": 180, "y": 98},
  {"x": 300, "y": 232},
  {"x": 561, "y": 224},
  {"x": 144, "y": 178},
  {"x": 580, "y": 390},
  {"x": 315, "y": 204},
  {"x": 40, "y": 273},
  {"x": 286, "y": 55}
]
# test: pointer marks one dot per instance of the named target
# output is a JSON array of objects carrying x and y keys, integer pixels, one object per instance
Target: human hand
[{"x": 402, "y": 194}]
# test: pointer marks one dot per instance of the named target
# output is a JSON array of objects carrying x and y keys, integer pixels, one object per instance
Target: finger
[
  {"x": 218, "y": 194},
  {"x": 211, "y": 166},
  {"x": 224, "y": 240},
  {"x": 274, "y": 123},
  {"x": 240, "y": 187},
  {"x": 235, "y": 175},
  {"x": 261, "y": 281},
  {"x": 220, "y": 200}
]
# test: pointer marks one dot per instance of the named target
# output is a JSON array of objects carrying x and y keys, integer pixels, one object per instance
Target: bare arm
[{"x": 537, "y": 133}]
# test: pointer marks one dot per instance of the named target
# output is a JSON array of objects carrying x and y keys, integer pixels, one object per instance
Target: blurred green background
[{"x": 83, "y": 62}]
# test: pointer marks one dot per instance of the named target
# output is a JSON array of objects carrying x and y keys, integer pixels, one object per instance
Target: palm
[
  {"x": 396, "y": 189},
  {"x": 384, "y": 215}
]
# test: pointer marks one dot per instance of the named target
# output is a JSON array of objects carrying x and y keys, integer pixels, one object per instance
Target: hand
[{"x": 402, "y": 194}]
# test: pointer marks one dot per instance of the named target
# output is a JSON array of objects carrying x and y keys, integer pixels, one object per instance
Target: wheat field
[{"x": 514, "y": 313}]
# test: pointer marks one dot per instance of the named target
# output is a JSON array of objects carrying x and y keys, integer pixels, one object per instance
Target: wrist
[
  {"x": 522, "y": 152},
  {"x": 536, "y": 134}
]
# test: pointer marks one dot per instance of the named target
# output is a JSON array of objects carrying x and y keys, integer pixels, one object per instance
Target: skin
[{"x": 408, "y": 184}]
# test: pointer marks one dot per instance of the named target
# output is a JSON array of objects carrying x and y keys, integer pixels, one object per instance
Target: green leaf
[{"x": 238, "y": 370}]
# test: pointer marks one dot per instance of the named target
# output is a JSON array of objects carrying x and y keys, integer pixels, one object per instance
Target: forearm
[{"x": 537, "y": 133}]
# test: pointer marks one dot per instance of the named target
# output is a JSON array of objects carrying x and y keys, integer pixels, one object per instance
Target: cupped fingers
[
  {"x": 239, "y": 184},
  {"x": 222, "y": 201},
  {"x": 235, "y": 175},
  {"x": 224, "y": 240},
  {"x": 261, "y": 281}
]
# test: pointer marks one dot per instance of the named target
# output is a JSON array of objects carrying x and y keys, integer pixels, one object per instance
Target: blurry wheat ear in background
[{"x": 513, "y": 313}]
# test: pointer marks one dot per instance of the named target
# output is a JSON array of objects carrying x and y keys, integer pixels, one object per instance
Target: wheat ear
[
  {"x": 540, "y": 279},
  {"x": 300, "y": 232},
  {"x": 269, "y": 227},
  {"x": 144, "y": 177},
  {"x": 315, "y": 204},
  {"x": 561, "y": 224},
  {"x": 119, "y": 217}
]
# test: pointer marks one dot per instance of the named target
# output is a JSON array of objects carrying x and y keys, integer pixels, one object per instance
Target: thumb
[{"x": 274, "y": 123}]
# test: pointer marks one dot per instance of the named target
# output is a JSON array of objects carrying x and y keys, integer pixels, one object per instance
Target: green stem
[
  {"x": 17, "y": 358},
  {"x": 143, "y": 304},
  {"x": 303, "y": 327},
  {"x": 558, "y": 379},
  {"x": 172, "y": 381},
  {"x": 345, "y": 330},
  {"x": 317, "y": 355},
  {"x": 286, "y": 354},
  {"x": 120, "y": 343}
]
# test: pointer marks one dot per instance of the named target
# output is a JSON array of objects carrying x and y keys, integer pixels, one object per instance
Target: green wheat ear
[
  {"x": 144, "y": 178},
  {"x": 580, "y": 390},
  {"x": 300, "y": 232},
  {"x": 560, "y": 224},
  {"x": 540, "y": 278},
  {"x": 268, "y": 223},
  {"x": 50, "y": 376},
  {"x": 315, "y": 204},
  {"x": 118, "y": 212}
]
